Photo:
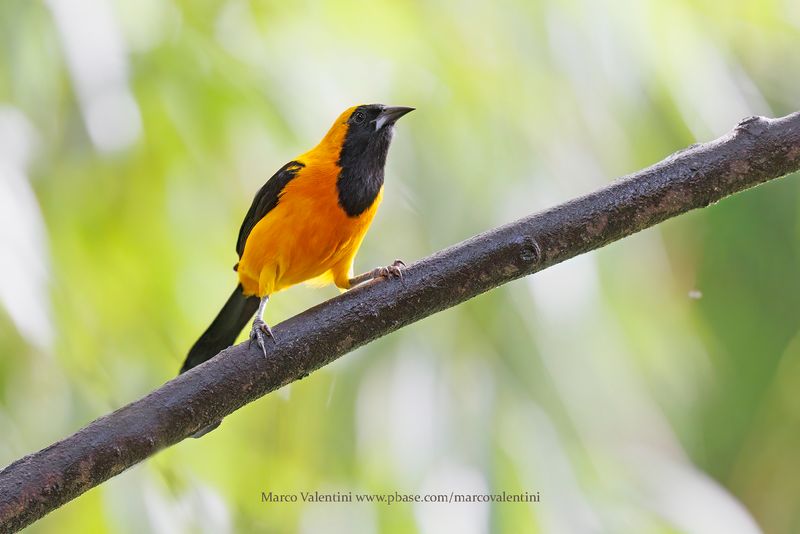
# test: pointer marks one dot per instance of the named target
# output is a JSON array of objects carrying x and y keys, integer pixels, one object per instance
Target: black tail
[{"x": 223, "y": 330}]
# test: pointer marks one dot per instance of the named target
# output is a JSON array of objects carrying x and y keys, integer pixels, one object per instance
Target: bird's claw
[
  {"x": 258, "y": 333},
  {"x": 395, "y": 270}
]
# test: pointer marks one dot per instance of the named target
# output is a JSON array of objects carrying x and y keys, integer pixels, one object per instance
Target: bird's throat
[{"x": 362, "y": 163}]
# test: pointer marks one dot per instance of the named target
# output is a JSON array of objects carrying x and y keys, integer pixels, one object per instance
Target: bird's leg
[
  {"x": 395, "y": 270},
  {"x": 260, "y": 328}
]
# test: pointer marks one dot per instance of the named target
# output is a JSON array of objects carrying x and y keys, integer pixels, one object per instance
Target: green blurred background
[{"x": 650, "y": 387}]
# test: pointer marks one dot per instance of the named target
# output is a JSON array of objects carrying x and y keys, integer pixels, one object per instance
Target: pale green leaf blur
[{"x": 651, "y": 387}]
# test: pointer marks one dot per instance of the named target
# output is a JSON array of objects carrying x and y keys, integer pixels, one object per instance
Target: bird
[{"x": 306, "y": 223}]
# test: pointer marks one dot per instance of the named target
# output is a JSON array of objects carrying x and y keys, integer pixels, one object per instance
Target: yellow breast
[{"x": 306, "y": 236}]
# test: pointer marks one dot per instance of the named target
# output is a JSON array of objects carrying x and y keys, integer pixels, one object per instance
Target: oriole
[{"x": 307, "y": 222}]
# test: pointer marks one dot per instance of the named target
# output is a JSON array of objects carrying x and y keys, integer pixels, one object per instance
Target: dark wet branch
[{"x": 756, "y": 151}]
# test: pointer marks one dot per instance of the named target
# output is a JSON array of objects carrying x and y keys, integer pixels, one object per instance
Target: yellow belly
[{"x": 306, "y": 236}]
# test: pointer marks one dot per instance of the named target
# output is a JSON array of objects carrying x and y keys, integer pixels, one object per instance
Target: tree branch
[{"x": 757, "y": 150}]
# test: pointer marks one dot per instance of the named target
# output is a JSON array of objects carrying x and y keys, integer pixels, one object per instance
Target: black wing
[{"x": 266, "y": 199}]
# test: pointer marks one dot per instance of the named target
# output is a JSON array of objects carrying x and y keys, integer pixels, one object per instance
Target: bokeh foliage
[{"x": 651, "y": 387}]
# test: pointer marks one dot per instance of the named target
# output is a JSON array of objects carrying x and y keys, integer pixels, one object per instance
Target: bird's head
[
  {"x": 357, "y": 144},
  {"x": 363, "y": 131},
  {"x": 367, "y": 122}
]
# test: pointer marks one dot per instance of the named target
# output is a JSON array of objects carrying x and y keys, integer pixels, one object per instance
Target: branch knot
[{"x": 754, "y": 126}]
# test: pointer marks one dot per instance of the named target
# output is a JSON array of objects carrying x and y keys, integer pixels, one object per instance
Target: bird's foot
[
  {"x": 260, "y": 331},
  {"x": 395, "y": 270}
]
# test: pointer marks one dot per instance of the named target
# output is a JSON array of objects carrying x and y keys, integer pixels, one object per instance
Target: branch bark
[{"x": 757, "y": 150}]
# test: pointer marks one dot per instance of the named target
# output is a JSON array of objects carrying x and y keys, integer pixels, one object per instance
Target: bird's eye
[{"x": 359, "y": 117}]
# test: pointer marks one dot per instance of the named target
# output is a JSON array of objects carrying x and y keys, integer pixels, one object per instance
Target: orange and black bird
[{"x": 307, "y": 222}]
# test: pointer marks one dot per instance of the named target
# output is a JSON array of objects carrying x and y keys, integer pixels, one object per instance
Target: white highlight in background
[
  {"x": 97, "y": 60},
  {"x": 24, "y": 260}
]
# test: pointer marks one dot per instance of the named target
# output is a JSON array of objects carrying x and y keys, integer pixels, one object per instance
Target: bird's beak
[{"x": 390, "y": 115}]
